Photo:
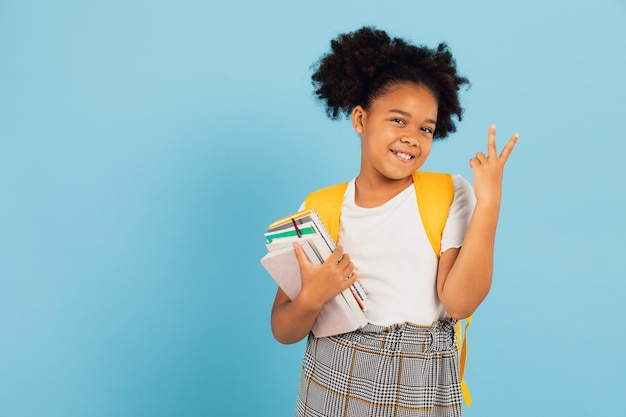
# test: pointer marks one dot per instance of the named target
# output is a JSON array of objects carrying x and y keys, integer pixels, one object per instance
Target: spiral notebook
[{"x": 342, "y": 314}]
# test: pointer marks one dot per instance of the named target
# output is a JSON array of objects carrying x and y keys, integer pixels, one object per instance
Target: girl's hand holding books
[
  {"x": 321, "y": 283},
  {"x": 488, "y": 169}
]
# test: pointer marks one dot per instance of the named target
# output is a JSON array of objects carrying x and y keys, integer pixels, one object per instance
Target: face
[{"x": 396, "y": 132}]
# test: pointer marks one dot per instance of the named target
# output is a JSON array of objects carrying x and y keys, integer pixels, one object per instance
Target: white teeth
[{"x": 404, "y": 155}]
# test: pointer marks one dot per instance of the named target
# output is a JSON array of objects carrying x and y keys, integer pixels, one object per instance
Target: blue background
[{"x": 146, "y": 145}]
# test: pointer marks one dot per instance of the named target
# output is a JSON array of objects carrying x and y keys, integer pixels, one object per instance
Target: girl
[{"x": 400, "y": 98}]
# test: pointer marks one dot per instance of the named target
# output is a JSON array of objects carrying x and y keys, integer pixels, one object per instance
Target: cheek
[{"x": 427, "y": 147}]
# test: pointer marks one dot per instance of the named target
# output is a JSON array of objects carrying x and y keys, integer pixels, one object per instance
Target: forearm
[
  {"x": 469, "y": 279},
  {"x": 293, "y": 320},
  {"x": 465, "y": 276}
]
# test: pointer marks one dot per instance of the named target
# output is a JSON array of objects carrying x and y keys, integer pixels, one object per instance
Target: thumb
[{"x": 303, "y": 260}]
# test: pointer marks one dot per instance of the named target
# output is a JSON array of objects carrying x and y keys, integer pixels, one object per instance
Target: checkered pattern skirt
[{"x": 396, "y": 371}]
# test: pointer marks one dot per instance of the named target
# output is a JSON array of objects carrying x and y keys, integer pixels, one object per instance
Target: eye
[
  {"x": 398, "y": 121},
  {"x": 428, "y": 130}
]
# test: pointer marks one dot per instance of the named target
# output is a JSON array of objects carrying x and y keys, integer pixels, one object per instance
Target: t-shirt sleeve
[{"x": 459, "y": 215}]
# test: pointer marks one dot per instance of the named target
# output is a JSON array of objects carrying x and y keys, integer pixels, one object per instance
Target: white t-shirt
[{"x": 393, "y": 256}]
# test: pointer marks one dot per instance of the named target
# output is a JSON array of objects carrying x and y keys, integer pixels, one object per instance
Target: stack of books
[{"x": 342, "y": 314}]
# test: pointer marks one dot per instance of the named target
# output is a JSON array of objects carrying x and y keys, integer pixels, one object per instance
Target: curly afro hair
[{"x": 364, "y": 64}]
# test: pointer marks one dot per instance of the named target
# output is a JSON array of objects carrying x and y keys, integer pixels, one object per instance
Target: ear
[{"x": 358, "y": 119}]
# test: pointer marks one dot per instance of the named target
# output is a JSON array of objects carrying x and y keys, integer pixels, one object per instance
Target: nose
[{"x": 409, "y": 140}]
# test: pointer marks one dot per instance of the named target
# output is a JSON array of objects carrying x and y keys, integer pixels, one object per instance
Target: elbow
[
  {"x": 462, "y": 310},
  {"x": 285, "y": 340},
  {"x": 284, "y": 337},
  {"x": 462, "y": 304},
  {"x": 465, "y": 308},
  {"x": 461, "y": 314}
]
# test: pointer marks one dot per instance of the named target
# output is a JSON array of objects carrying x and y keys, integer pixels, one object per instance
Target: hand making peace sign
[{"x": 488, "y": 169}]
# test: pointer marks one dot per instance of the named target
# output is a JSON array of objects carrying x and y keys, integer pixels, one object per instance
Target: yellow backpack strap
[
  {"x": 462, "y": 346},
  {"x": 435, "y": 193},
  {"x": 327, "y": 203}
]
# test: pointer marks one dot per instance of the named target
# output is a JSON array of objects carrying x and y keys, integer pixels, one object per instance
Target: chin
[{"x": 399, "y": 177}]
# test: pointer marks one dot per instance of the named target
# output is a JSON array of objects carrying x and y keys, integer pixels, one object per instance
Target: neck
[{"x": 373, "y": 193}]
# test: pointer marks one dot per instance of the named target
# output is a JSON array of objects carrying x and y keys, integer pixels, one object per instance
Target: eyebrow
[{"x": 406, "y": 114}]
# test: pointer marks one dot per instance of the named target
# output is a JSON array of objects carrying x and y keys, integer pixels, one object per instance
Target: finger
[
  {"x": 351, "y": 278},
  {"x": 508, "y": 148},
  {"x": 301, "y": 257},
  {"x": 481, "y": 157},
  {"x": 335, "y": 257},
  {"x": 348, "y": 269},
  {"x": 491, "y": 141}
]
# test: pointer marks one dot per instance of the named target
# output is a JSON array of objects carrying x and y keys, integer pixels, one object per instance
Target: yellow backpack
[{"x": 435, "y": 193}]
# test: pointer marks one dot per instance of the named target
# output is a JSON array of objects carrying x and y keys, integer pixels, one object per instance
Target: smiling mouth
[{"x": 402, "y": 155}]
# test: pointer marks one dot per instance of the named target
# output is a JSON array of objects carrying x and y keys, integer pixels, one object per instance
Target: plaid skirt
[{"x": 396, "y": 371}]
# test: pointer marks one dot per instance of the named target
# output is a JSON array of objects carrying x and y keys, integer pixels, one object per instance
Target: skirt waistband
[{"x": 407, "y": 337}]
